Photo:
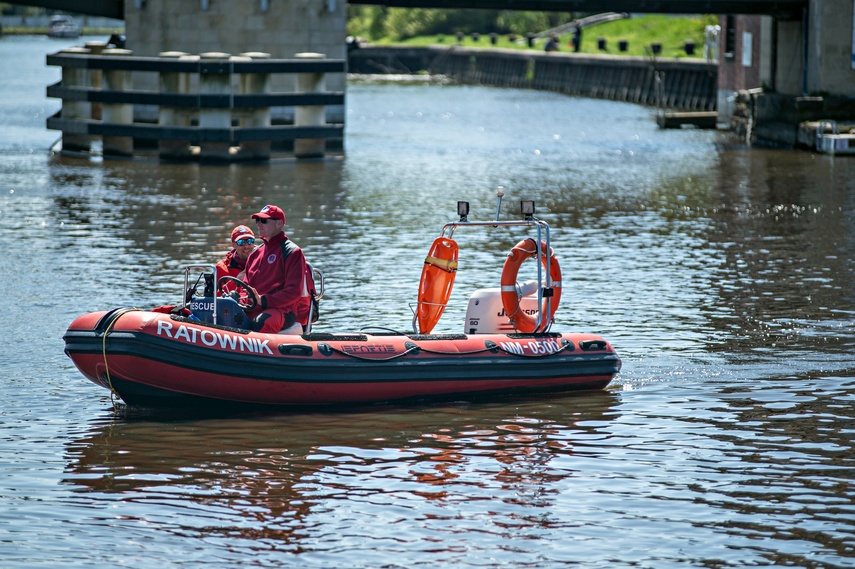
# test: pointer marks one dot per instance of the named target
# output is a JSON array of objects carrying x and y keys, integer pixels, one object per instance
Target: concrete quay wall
[
  {"x": 676, "y": 84},
  {"x": 786, "y": 121}
]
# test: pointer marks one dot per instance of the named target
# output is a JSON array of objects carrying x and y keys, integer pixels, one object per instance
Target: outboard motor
[{"x": 486, "y": 313}]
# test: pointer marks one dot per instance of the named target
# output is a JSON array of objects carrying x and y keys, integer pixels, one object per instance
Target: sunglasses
[
  {"x": 245, "y": 241},
  {"x": 263, "y": 220}
]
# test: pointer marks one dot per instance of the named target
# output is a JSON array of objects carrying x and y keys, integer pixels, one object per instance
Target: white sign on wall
[{"x": 747, "y": 48}]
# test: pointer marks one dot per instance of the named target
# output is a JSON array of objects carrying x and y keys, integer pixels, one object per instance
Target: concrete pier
[{"x": 213, "y": 107}]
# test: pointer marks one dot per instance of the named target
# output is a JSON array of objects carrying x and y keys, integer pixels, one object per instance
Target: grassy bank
[{"x": 672, "y": 32}]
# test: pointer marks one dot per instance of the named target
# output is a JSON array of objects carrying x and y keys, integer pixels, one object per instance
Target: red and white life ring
[{"x": 523, "y": 322}]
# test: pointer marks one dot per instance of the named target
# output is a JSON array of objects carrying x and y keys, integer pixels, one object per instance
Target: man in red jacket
[{"x": 279, "y": 277}]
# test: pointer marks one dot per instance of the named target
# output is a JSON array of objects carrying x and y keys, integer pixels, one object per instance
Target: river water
[{"x": 721, "y": 274}]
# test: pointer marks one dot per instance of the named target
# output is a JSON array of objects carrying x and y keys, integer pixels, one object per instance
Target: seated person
[
  {"x": 279, "y": 277},
  {"x": 234, "y": 263}
]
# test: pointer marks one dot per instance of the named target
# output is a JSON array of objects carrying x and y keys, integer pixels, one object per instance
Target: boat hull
[{"x": 161, "y": 360}]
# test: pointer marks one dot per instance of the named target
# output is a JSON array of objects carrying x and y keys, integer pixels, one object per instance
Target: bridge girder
[{"x": 103, "y": 8}]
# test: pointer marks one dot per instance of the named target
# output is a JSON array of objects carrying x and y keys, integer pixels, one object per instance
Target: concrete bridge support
[
  {"x": 791, "y": 57},
  {"x": 830, "y": 48},
  {"x": 117, "y": 113},
  {"x": 309, "y": 116},
  {"x": 250, "y": 84},
  {"x": 76, "y": 140},
  {"x": 179, "y": 84},
  {"x": 281, "y": 28}
]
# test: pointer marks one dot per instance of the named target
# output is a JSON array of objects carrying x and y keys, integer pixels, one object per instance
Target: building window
[{"x": 729, "y": 36}]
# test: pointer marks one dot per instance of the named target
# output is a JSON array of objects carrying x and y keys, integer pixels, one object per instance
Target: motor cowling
[{"x": 485, "y": 313}]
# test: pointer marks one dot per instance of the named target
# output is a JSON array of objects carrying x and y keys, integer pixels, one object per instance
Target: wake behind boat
[{"x": 203, "y": 353}]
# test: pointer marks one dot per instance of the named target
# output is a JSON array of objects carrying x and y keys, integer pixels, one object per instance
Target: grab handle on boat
[
  {"x": 295, "y": 350},
  {"x": 591, "y": 345}
]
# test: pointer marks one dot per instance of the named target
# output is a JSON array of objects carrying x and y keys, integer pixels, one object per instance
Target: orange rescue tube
[
  {"x": 523, "y": 322},
  {"x": 437, "y": 279}
]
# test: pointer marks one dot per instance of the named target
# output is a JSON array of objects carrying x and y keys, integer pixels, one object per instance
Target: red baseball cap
[
  {"x": 242, "y": 231},
  {"x": 270, "y": 212}
]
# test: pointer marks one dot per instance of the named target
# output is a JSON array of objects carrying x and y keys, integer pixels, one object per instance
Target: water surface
[{"x": 721, "y": 274}]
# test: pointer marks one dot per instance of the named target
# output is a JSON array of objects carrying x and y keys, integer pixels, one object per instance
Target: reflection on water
[
  {"x": 251, "y": 456},
  {"x": 294, "y": 482},
  {"x": 721, "y": 274},
  {"x": 744, "y": 474}
]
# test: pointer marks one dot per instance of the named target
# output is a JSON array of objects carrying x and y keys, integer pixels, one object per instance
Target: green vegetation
[
  {"x": 397, "y": 24},
  {"x": 672, "y": 32}
]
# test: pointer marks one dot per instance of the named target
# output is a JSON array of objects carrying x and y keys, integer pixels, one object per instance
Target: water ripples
[
  {"x": 575, "y": 479},
  {"x": 720, "y": 273}
]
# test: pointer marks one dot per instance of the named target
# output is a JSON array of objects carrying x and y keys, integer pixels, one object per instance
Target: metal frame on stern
[{"x": 529, "y": 220}]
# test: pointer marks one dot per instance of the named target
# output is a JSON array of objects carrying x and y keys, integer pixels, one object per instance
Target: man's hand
[{"x": 255, "y": 295}]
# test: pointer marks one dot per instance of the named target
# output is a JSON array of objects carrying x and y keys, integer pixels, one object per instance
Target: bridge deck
[{"x": 783, "y": 9}]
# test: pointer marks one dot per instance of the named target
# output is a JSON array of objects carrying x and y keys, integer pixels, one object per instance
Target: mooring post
[
  {"x": 257, "y": 117},
  {"x": 305, "y": 115},
  {"x": 75, "y": 135},
  {"x": 172, "y": 83},
  {"x": 214, "y": 79},
  {"x": 96, "y": 48},
  {"x": 118, "y": 80}
]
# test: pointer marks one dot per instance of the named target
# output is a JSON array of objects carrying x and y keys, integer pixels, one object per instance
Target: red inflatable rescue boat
[{"x": 202, "y": 353}]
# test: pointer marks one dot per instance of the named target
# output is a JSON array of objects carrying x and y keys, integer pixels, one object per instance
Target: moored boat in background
[{"x": 63, "y": 27}]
